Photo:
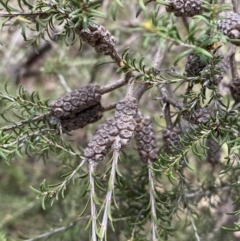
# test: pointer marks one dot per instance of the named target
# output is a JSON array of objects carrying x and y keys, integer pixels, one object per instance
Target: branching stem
[
  {"x": 92, "y": 202},
  {"x": 108, "y": 199},
  {"x": 153, "y": 201}
]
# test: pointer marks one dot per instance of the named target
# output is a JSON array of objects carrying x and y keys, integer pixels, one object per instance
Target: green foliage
[{"x": 174, "y": 198}]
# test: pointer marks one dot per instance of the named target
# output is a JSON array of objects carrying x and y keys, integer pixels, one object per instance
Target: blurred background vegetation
[{"x": 52, "y": 68}]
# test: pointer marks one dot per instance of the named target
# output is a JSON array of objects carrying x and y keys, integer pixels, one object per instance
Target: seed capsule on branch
[
  {"x": 201, "y": 115},
  {"x": 213, "y": 151},
  {"x": 83, "y": 118},
  {"x": 146, "y": 139},
  {"x": 187, "y": 8},
  {"x": 171, "y": 140},
  {"x": 98, "y": 37},
  {"x": 194, "y": 65},
  {"x": 235, "y": 89},
  {"x": 122, "y": 126},
  {"x": 229, "y": 25},
  {"x": 216, "y": 74},
  {"x": 101, "y": 143},
  {"x": 76, "y": 101}
]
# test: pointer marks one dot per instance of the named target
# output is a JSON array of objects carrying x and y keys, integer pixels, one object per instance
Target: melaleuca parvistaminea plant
[
  {"x": 229, "y": 25},
  {"x": 145, "y": 189},
  {"x": 187, "y": 8}
]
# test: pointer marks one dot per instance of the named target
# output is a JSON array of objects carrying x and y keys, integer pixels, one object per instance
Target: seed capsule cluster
[
  {"x": 187, "y": 8},
  {"x": 145, "y": 139},
  {"x": 98, "y": 37},
  {"x": 199, "y": 116},
  {"x": 194, "y": 65},
  {"x": 171, "y": 140},
  {"x": 83, "y": 118},
  {"x": 235, "y": 89},
  {"x": 229, "y": 25},
  {"x": 78, "y": 108},
  {"x": 220, "y": 69},
  {"x": 213, "y": 153},
  {"x": 122, "y": 125},
  {"x": 76, "y": 101}
]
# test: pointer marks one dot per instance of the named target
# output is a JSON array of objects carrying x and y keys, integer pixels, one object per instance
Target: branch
[
  {"x": 107, "y": 210},
  {"x": 16, "y": 14},
  {"x": 233, "y": 66},
  {"x": 168, "y": 99},
  {"x": 21, "y": 123},
  {"x": 62, "y": 186},
  {"x": 18, "y": 213},
  {"x": 92, "y": 201},
  {"x": 116, "y": 84},
  {"x": 57, "y": 230},
  {"x": 194, "y": 227},
  {"x": 152, "y": 201},
  {"x": 235, "y": 4}
]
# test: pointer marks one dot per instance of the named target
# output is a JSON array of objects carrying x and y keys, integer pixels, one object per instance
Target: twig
[
  {"x": 92, "y": 201},
  {"x": 139, "y": 91},
  {"x": 168, "y": 99},
  {"x": 110, "y": 106},
  {"x": 153, "y": 201},
  {"x": 233, "y": 66},
  {"x": 116, "y": 58},
  {"x": 194, "y": 227},
  {"x": 107, "y": 209},
  {"x": 21, "y": 138},
  {"x": 235, "y": 4},
  {"x": 62, "y": 186},
  {"x": 185, "y": 22},
  {"x": 206, "y": 193},
  {"x": 57, "y": 230},
  {"x": 16, "y": 14},
  {"x": 63, "y": 82},
  {"x": 18, "y": 213},
  {"x": 112, "y": 86},
  {"x": 21, "y": 123}
]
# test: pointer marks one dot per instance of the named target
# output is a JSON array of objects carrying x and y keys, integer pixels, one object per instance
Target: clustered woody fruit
[
  {"x": 214, "y": 75},
  {"x": 235, "y": 89},
  {"x": 145, "y": 139},
  {"x": 171, "y": 140},
  {"x": 76, "y": 101},
  {"x": 213, "y": 151},
  {"x": 98, "y": 37},
  {"x": 122, "y": 126},
  {"x": 83, "y": 118},
  {"x": 229, "y": 25},
  {"x": 201, "y": 115},
  {"x": 194, "y": 65},
  {"x": 187, "y": 8},
  {"x": 78, "y": 108}
]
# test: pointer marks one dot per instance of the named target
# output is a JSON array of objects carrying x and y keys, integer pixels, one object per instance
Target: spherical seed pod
[
  {"x": 171, "y": 140},
  {"x": 99, "y": 38},
  {"x": 145, "y": 140},
  {"x": 229, "y": 25},
  {"x": 76, "y": 101},
  {"x": 194, "y": 65},
  {"x": 88, "y": 152},
  {"x": 127, "y": 106},
  {"x": 187, "y": 8},
  {"x": 100, "y": 145},
  {"x": 125, "y": 134},
  {"x": 83, "y": 118},
  {"x": 199, "y": 116}
]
